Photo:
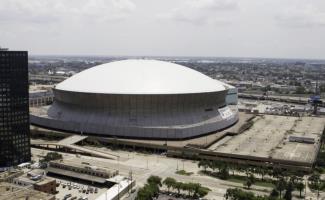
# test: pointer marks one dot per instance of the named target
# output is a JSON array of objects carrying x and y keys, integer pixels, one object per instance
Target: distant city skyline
[{"x": 190, "y": 28}]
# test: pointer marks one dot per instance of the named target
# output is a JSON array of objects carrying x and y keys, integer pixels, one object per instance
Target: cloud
[
  {"x": 200, "y": 12},
  {"x": 48, "y": 11},
  {"x": 301, "y": 17}
]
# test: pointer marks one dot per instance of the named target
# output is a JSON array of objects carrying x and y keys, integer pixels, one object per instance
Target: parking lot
[
  {"x": 72, "y": 190},
  {"x": 268, "y": 138}
]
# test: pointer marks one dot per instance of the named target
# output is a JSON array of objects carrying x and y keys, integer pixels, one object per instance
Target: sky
[{"x": 209, "y": 28}]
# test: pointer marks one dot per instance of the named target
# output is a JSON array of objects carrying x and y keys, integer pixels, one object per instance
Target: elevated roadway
[{"x": 69, "y": 144}]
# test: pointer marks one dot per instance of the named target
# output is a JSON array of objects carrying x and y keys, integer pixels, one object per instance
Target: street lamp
[{"x": 118, "y": 191}]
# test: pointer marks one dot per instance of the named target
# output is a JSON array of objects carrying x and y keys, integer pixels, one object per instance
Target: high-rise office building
[{"x": 14, "y": 110}]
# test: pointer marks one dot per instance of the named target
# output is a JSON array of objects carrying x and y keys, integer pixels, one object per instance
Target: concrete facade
[{"x": 170, "y": 116}]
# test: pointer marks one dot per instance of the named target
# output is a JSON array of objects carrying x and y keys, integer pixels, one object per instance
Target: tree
[
  {"x": 178, "y": 186},
  {"x": 224, "y": 173},
  {"x": 51, "y": 156},
  {"x": 143, "y": 194},
  {"x": 196, "y": 187},
  {"x": 232, "y": 167},
  {"x": 262, "y": 171},
  {"x": 250, "y": 180},
  {"x": 277, "y": 173},
  {"x": 204, "y": 163},
  {"x": 293, "y": 178},
  {"x": 186, "y": 187},
  {"x": 248, "y": 183},
  {"x": 247, "y": 170},
  {"x": 280, "y": 185},
  {"x": 203, "y": 191},
  {"x": 274, "y": 194},
  {"x": 315, "y": 181},
  {"x": 300, "y": 186},
  {"x": 154, "y": 180},
  {"x": 147, "y": 192},
  {"x": 150, "y": 190},
  {"x": 191, "y": 188},
  {"x": 169, "y": 182},
  {"x": 289, "y": 189},
  {"x": 238, "y": 194},
  {"x": 214, "y": 165}
]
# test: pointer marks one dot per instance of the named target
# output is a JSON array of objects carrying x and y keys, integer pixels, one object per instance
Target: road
[{"x": 142, "y": 166}]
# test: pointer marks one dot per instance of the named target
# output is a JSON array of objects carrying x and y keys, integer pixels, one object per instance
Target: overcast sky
[{"x": 220, "y": 28}]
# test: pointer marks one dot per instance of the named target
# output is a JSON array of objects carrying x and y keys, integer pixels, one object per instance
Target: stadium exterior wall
[{"x": 170, "y": 116}]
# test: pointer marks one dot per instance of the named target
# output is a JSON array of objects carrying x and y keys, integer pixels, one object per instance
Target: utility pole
[
  {"x": 118, "y": 191},
  {"x": 183, "y": 164}
]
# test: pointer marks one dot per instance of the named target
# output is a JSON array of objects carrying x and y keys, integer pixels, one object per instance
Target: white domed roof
[{"x": 140, "y": 77}]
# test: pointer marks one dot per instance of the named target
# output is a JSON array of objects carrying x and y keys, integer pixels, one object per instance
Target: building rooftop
[
  {"x": 140, "y": 77},
  {"x": 81, "y": 165},
  {"x": 39, "y": 180},
  {"x": 77, "y": 175},
  {"x": 269, "y": 138}
]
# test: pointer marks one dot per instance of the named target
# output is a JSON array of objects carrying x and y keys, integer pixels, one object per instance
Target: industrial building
[
  {"x": 145, "y": 99},
  {"x": 14, "y": 111},
  {"x": 37, "y": 180}
]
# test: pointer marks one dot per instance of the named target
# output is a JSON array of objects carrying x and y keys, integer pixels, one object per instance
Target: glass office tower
[{"x": 14, "y": 110}]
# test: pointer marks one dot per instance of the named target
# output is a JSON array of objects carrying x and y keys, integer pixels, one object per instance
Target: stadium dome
[
  {"x": 139, "y": 99},
  {"x": 140, "y": 77}
]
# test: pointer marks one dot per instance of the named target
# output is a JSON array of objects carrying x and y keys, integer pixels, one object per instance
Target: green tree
[
  {"x": 191, "y": 187},
  {"x": 238, "y": 194},
  {"x": 215, "y": 165},
  {"x": 204, "y": 163},
  {"x": 248, "y": 183},
  {"x": 51, "y": 156},
  {"x": 169, "y": 182},
  {"x": 280, "y": 185},
  {"x": 288, "y": 193},
  {"x": 233, "y": 167},
  {"x": 300, "y": 186},
  {"x": 156, "y": 180},
  {"x": 149, "y": 190},
  {"x": 178, "y": 186},
  {"x": 274, "y": 194},
  {"x": 224, "y": 172},
  {"x": 293, "y": 178},
  {"x": 262, "y": 171},
  {"x": 186, "y": 187},
  {"x": 277, "y": 172},
  {"x": 315, "y": 182},
  {"x": 250, "y": 180},
  {"x": 196, "y": 187},
  {"x": 203, "y": 191}
]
